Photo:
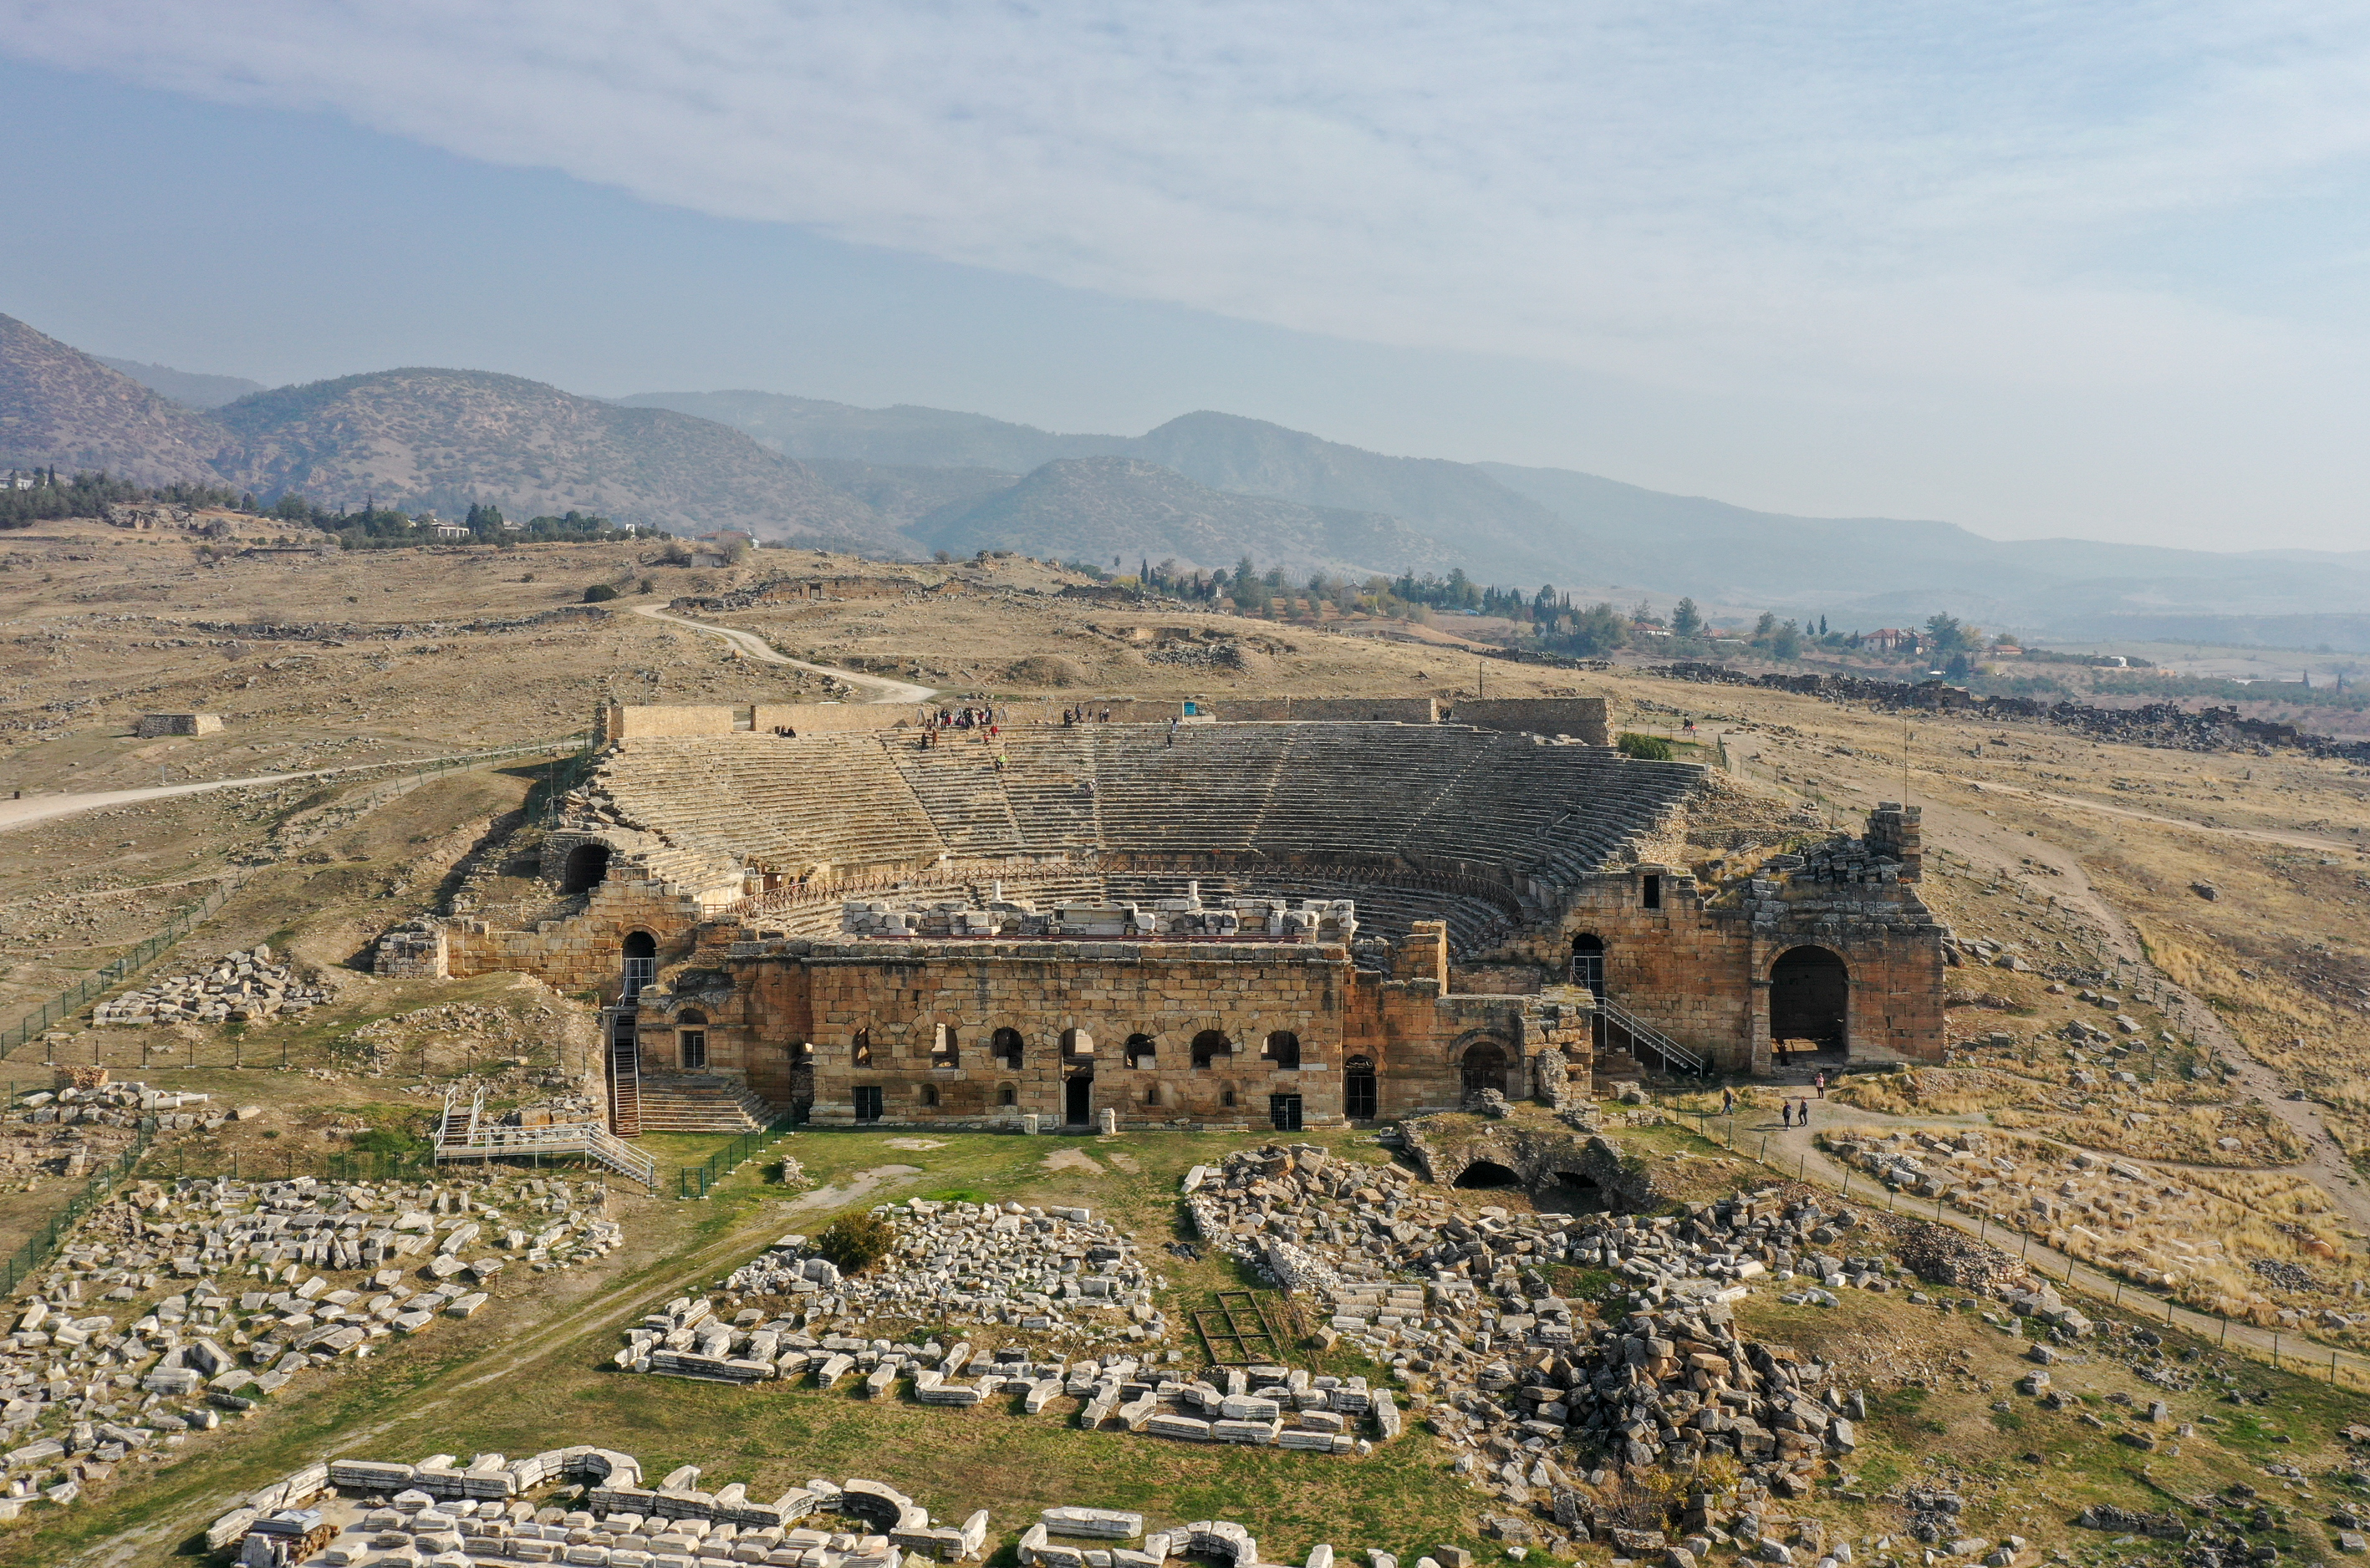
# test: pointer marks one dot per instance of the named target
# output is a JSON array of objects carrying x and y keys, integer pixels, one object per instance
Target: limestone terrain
[{"x": 2073, "y": 918}]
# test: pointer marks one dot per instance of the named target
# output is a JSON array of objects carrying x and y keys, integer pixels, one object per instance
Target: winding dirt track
[{"x": 752, "y": 645}]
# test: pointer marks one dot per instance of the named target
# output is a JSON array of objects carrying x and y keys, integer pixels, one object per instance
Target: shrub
[
  {"x": 598, "y": 592},
  {"x": 1646, "y": 747},
  {"x": 854, "y": 1242}
]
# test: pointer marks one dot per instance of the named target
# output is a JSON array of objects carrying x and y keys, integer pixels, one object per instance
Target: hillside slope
[
  {"x": 1903, "y": 570},
  {"x": 1102, "y": 510},
  {"x": 60, "y": 408},
  {"x": 903, "y": 436},
  {"x": 190, "y": 388},
  {"x": 448, "y": 438}
]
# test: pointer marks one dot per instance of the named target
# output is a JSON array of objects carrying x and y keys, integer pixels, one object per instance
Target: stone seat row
[{"x": 1444, "y": 798}]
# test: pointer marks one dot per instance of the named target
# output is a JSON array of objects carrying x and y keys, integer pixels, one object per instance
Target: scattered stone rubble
[
  {"x": 1321, "y": 919},
  {"x": 1054, "y": 1272},
  {"x": 89, "y": 1120},
  {"x": 1041, "y": 1269},
  {"x": 1524, "y": 1382},
  {"x": 241, "y": 988},
  {"x": 90, "y": 1377},
  {"x": 594, "y": 1509},
  {"x": 2165, "y": 725}
]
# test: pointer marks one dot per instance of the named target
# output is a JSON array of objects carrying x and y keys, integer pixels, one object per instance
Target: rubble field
[
  {"x": 439, "y": 1511},
  {"x": 113, "y": 1357}
]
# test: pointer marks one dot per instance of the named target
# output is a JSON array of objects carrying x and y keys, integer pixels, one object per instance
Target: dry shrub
[{"x": 1933, "y": 1091}]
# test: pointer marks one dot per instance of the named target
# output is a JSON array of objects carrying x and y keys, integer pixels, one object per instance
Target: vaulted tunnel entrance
[{"x": 1810, "y": 993}]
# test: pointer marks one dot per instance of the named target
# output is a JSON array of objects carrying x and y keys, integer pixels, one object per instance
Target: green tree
[
  {"x": 1949, "y": 636},
  {"x": 600, "y": 593},
  {"x": 1686, "y": 619},
  {"x": 854, "y": 1242}
]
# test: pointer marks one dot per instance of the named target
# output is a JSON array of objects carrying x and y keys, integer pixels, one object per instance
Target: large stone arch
[
  {"x": 1810, "y": 998},
  {"x": 1559, "y": 1168},
  {"x": 1484, "y": 1060}
]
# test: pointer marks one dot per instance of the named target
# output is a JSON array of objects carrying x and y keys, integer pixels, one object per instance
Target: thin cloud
[{"x": 1699, "y": 194}]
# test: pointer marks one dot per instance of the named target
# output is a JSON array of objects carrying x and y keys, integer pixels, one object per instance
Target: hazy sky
[{"x": 2037, "y": 269}]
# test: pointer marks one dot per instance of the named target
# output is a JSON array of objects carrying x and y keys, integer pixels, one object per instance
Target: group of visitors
[
  {"x": 1793, "y": 1112},
  {"x": 1071, "y": 716},
  {"x": 982, "y": 719}
]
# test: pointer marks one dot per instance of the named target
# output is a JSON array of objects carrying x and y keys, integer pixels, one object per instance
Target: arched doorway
[
  {"x": 1487, "y": 1173},
  {"x": 1483, "y": 1067},
  {"x": 1283, "y": 1051},
  {"x": 641, "y": 962},
  {"x": 1078, "y": 1098},
  {"x": 1358, "y": 1089},
  {"x": 586, "y": 867},
  {"x": 1140, "y": 1053},
  {"x": 1810, "y": 998},
  {"x": 1078, "y": 1046},
  {"x": 1588, "y": 963},
  {"x": 1576, "y": 1192},
  {"x": 1210, "y": 1045},
  {"x": 1004, "y": 1045}
]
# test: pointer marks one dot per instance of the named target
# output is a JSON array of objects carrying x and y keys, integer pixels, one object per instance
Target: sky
[{"x": 2036, "y": 268}]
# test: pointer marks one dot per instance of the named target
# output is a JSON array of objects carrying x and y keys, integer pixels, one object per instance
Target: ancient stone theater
[{"x": 1289, "y": 913}]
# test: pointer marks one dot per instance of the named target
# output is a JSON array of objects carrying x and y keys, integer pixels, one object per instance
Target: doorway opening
[
  {"x": 1810, "y": 995},
  {"x": 1484, "y": 1067},
  {"x": 1358, "y": 1089},
  {"x": 1588, "y": 963},
  {"x": 1487, "y": 1173},
  {"x": 587, "y": 867}
]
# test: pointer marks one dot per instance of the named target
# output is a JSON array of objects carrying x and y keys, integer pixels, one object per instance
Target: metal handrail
[{"x": 1675, "y": 1057}]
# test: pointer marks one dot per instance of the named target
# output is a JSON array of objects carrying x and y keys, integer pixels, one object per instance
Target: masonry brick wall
[{"x": 1583, "y": 718}]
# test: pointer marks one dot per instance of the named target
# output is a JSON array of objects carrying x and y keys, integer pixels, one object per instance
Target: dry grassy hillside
[{"x": 2075, "y": 864}]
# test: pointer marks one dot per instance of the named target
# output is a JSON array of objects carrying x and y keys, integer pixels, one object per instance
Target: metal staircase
[
  {"x": 469, "y": 1136},
  {"x": 1675, "y": 1056},
  {"x": 625, "y": 1073}
]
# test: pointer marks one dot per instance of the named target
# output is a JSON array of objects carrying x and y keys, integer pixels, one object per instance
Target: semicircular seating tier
[{"x": 1414, "y": 821}]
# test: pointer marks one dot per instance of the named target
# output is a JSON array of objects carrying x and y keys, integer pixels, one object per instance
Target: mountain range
[{"x": 1202, "y": 490}]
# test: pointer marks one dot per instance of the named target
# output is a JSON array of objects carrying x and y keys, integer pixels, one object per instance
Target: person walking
[
  {"x": 1786, "y": 1112},
  {"x": 1728, "y": 1099},
  {"x": 1804, "y": 1118}
]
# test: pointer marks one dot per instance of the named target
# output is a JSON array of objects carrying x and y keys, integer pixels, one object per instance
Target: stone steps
[{"x": 672, "y": 1103}]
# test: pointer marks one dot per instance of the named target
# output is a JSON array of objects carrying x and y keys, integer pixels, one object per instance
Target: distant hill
[
  {"x": 1526, "y": 526},
  {"x": 907, "y": 495},
  {"x": 60, "y": 408},
  {"x": 1883, "y": 569},
  {"x": 1204, "y": 489},
  {"x": 186, "y": 387},
  {"x": 1101, "y": 509},
  {"x": 904, "y": 436},
  {"x": 446, "y": 438}
]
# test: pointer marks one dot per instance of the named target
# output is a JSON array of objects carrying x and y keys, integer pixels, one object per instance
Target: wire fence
[
  {"x": 692, "y": 1181},
  {"x": 103, "y": 1181},
  {"x": 79, "y": 995}
]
